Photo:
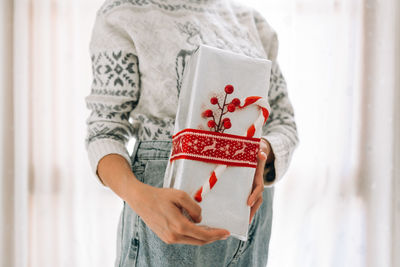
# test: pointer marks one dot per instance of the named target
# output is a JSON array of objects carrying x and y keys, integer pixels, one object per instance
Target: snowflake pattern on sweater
[{"x": 138, "y": 58}]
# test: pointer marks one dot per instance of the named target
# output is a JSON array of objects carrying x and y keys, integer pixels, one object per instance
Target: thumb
[
  {"x": 186, "y": 202},
  {"x": 262, "y": 159},
  {"x": 261, "y": 156}
]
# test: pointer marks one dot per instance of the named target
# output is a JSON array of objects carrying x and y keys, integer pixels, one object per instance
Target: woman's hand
[
  {"x": 160, "y": 209},
  {"x": 256, "y": 197}
]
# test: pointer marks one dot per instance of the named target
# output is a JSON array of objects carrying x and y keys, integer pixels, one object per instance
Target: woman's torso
[{"x": 165, "y": 35}]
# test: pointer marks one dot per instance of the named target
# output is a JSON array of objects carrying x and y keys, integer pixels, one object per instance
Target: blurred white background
[{"x": 339, "y": 203}]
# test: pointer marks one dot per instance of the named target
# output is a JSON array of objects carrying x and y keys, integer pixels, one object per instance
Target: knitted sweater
[{"x": 139, "y": 49}]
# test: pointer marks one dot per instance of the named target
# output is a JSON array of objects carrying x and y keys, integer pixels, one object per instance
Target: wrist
[
  {"x": 116, "y": 173},
  {"x": 137, "y": 195},
  {"x": 130, "y": 188}
]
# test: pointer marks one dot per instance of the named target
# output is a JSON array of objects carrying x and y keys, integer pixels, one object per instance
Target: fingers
[
  {"x": 256, "y": 197},
  {"x": 256, "y": 194},
  {"x": 255, "y": 208},
  {"x": 258, "y": 185},
  {"x": 185, "y": 201},
  {"x": 185, "y": 227},
  {"x": 184, "y": 231},
  {"x": 182, "y": 239},
  {"x": 261, "y": 160},
  {"x": 206, "y": 233}
]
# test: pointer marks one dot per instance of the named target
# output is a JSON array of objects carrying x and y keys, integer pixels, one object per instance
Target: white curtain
[
  {"x": 319, "y": 213},
  {"x": 54, "y": 212},
  {"x": 334, "y": 207},
  {"x": 380, "y": 152}
]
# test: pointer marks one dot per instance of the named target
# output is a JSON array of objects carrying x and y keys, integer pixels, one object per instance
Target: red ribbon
[{"x": 215, "y": 147}]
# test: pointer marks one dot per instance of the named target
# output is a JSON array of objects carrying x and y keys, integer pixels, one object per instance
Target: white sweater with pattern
[{"x": 139, "y": 49}]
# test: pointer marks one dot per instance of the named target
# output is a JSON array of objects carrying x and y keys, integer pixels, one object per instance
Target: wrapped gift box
[{"x": 222, "y": 107}]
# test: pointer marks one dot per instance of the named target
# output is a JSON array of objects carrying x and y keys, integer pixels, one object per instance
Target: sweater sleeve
[
  {"x": 280, "y": 129},
  {"x": 115, "y": 90}
]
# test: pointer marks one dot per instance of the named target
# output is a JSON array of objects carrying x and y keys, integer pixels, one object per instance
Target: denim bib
[{"x": 138, "y": 245}]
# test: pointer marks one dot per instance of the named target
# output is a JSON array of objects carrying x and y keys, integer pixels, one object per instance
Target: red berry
[
  {"x": 208, "y": 113},
  {"x": 229, "y": 89},
  {"x": 227, "y": 124},
  {"x": 236, "y": 101},
  {"x": 231, "y": 107},
  {"x": 225, "y": 119},
  {"x": 214, "y": 100},
  {"x": 211, "y": 124}
]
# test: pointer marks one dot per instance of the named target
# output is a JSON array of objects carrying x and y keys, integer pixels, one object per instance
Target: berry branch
[
  {"x": 222, "y": 113},
  {"x": 223, "y": 123}
]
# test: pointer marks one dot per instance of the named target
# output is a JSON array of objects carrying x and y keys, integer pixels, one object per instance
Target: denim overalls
[{"x": 137, "y": 245}]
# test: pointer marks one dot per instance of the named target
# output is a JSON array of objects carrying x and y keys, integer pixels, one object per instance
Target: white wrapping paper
[{"x": 207, "y": 73}]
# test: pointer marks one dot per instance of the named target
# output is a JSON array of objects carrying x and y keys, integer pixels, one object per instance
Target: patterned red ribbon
[{"x": 215, "y": 147}]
